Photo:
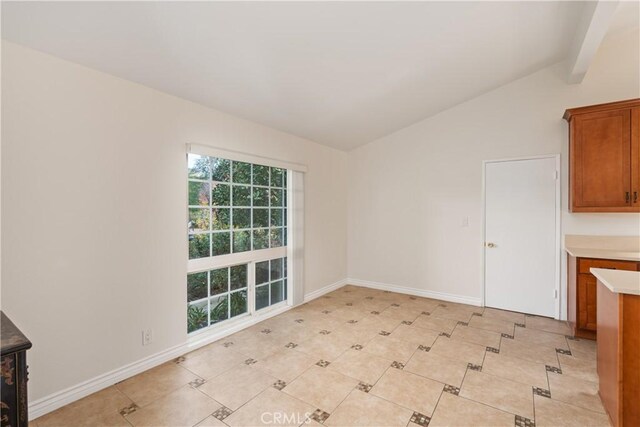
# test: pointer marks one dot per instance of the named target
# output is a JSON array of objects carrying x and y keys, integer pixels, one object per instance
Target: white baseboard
[
  {"x": 56, "y": 400},
  {"x": 325, "y": 290},
  {"x": 462, "y": 299}
]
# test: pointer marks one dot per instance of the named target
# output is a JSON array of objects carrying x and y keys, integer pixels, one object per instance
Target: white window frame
[{"x": 250, "y": 257}]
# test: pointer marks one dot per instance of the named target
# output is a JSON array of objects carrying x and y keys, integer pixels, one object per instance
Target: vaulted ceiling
[{"x": 338, "y": 73}]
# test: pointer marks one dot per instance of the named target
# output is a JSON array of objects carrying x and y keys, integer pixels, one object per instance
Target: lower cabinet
[
  {"x": 582, "y": 298},
  {"x": 618, "y": 361}
]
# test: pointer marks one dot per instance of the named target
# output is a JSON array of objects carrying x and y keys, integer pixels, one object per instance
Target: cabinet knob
[
  {"x": 491, "y": 245},
  {"x": 627, "y": 199},
  {"x": 635, "y": 197}
]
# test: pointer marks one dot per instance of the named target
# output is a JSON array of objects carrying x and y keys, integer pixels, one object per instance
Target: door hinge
[
  {"x": 556, "y": 175},
  {"x": 555, "y": 293}
]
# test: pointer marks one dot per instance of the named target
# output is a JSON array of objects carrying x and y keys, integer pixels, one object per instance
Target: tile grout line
[
  {"x": 490, "y": 406},
  {"x": 482, "y": 403},
  {"x": 534, "y": 400},
  {"x": 398, "y": 404},
  {"x": 435, "y": 408},
  {"x": 127, "y": 421},
  {"x": 487, "y": 405},
  {"x": 234, "y": 410},
  {"x": 208, "y": 415}
]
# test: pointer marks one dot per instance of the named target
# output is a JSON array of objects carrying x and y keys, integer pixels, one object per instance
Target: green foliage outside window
[
  {"x": 196, "y": 286},
  {"x": 198, "y": 193},
  {"x": 234, "y": 305},
  {"x": 220, "y": 310},
  {"x": 220, "y": 218},
  {"x": 201, "y": 168},
  {"x": 221, "y": 195},
  {"x": 220, "y": 244},
  {"x": 220, "y": 169},
  {"x": 260, "y": 175},
  {"x": 242, "y": 173},
  {"x": 260, "y": 239},
  {"x": 196, "y": 318},
  {"x": 198, "y": 245}
]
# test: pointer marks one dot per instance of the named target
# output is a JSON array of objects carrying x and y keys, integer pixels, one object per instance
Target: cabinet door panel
[
  {"x": 592, "y": 305},
  {"x": 587, "y": 302},
  {"x": 601, "y": 166}
]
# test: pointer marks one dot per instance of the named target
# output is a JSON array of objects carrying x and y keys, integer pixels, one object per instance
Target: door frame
[{"x": 558, "y": 223}]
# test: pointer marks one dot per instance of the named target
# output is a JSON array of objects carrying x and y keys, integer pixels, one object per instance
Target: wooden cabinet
[
  {"x": 13, "y": 356},
  {"x": 582, "y": 299},
  {"x": 604, "y": 157},
  {"x": 618, "y": 361}
]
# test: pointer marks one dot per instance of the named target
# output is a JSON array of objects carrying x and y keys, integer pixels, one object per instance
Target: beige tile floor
[{"x": 363, "y": 357}]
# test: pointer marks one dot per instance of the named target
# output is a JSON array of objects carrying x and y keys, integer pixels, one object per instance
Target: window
[
  {"x": 237, "y": 224},
  {"x": 235, "y": 207}
]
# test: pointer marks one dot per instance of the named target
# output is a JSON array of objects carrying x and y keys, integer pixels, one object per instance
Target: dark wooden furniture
[
  {"x": 582, "y": 299},
  {"x": 13, "y": 364},
  {"x": 604, "y": 157},
  {"x": 619, "y": 355}
]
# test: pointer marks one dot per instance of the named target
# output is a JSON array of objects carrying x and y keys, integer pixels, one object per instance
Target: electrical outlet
[{"x": 147, "y": 336}]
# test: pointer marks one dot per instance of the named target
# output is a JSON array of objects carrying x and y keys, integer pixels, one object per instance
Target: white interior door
[{"x": 521, "y": 246}]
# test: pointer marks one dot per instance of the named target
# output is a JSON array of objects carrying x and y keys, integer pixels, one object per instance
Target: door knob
[{"x": 491, "y": 245}]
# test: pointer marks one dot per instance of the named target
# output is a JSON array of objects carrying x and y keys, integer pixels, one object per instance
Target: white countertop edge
[
  {"x": 602, "y": 253},
  {"x": 619, "y": 281}
]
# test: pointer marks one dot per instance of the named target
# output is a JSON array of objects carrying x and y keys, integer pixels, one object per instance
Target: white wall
[
  {"x": 93, "y": 212},
  {"x": 93, "y": 196},
  {"x": 409, "y": 191}
]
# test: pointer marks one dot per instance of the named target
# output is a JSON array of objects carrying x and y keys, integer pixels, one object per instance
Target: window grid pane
[
  {"x": 216, "y": 295},
  {"x": 271, "y": 280}
]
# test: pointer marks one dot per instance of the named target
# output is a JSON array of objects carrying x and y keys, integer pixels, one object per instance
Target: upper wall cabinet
[{"x": 604, "y": 157}]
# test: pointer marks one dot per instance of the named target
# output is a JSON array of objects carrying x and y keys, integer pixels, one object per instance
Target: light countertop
[
  {"x": 619, "y": 281},
  {"x": 626, "y": 248},
  {"x": 602, "y": 254}
]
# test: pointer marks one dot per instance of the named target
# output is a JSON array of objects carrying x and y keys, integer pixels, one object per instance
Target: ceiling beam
[{"x": 592, "y": 28}]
